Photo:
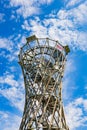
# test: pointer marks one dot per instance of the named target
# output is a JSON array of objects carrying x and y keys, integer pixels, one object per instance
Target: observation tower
[{"x": 42, "y": 61}]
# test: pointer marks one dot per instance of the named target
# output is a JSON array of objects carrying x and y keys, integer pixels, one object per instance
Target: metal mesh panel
[{"x": 42, "y": 62}]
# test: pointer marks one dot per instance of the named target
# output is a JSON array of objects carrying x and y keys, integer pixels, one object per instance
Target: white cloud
[
  {"x": 28, "y": 8},
  {"x": 2, "y": 18},
  {"x": 15, "y": 96},
  {"x": 81, "y": 101},
  {"x": 8, "y": 79},
  {"x": 9, "y": 44},
  {"x": 78, "y": 15},
  {"x": 70, "y": 66},
  {"x": 61, "y": 30},
  {"x": 29, "y": 3},
  {"x": 26, "y": 25},
  {"x": 28, "y": 11},
  {"x": 6, "y": 43},
  {"x": 69, "y": 80},
  {"x": 75, "y": 113},
  {"x": 20, "y": 2},
  {"x": 74, "y": 2},
  {"x": 14, "y": 93},
  {"x": 46, "y": 1},
  {"x": 3, "y": 115},
  {"x": 10, "y": 121},
  {"x": 64, "y": 27}
]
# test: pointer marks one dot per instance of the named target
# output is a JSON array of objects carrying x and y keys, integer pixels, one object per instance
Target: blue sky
[{"x": 63, "y": 20}]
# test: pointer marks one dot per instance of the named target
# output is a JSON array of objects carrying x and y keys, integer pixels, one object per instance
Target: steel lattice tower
[{"x": 42, "y": 61}]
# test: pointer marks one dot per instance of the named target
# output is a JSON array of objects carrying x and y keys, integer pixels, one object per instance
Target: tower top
[{"x": 59, "y": 46}]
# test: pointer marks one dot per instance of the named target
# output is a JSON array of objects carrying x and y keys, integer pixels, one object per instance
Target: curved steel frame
[{"x": 42, "y": 61}]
